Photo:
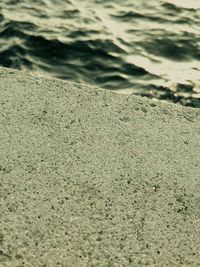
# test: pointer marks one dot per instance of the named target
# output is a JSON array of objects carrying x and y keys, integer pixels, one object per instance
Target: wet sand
[{"x": 92, "y": 178}]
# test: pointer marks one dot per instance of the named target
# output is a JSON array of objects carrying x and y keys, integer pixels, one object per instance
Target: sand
[{"x": 92, "y": 178}]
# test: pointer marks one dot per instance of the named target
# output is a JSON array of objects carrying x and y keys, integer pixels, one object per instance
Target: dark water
[{"x": 151, "y": 48}]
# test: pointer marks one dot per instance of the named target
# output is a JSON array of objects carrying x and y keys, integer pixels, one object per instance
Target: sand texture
[{"x": 91, "y": 178}]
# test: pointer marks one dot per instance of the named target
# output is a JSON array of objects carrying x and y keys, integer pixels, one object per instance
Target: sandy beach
[{"x": 91, "y": 178}]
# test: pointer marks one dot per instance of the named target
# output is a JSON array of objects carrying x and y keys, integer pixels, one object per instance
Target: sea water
[{"x": 150, "y": 48}]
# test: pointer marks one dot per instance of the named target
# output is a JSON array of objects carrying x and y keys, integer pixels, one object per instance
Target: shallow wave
[
  {"x": 171, "y": 46},
  {"x": 143, "y": 47}
]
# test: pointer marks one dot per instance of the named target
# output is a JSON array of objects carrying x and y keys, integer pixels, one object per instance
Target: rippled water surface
[{"x": 151, "y": 48}]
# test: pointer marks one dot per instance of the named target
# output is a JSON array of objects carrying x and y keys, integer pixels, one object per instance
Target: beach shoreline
[{"x": 93, "y": 178}]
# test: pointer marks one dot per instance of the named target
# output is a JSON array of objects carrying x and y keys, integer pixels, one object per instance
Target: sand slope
[{"x": 92, "y": 178}]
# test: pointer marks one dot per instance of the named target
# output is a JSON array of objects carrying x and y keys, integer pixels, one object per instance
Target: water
[{"x": 150, "y": 48}]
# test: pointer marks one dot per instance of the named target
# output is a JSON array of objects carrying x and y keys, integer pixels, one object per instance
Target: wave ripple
[{"x": 150, "y": 48}]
